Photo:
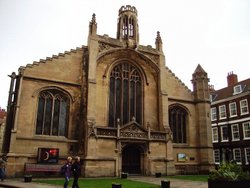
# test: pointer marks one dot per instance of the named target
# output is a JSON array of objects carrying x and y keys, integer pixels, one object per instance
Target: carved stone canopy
[{"x": 133, "y": 130}]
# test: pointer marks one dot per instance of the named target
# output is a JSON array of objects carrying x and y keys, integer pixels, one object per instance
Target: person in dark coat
[
  {"x": 3, "y": 161},
  {"x": 248, "y": 166},
  {"x": 76, "y": 169},
  {"x": 67, "y": 171}
]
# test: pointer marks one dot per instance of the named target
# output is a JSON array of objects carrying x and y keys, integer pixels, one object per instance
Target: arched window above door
[{"x": 125, "y": 94}]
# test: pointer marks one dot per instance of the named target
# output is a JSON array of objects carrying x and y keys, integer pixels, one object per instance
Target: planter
[
  {"x": 228, "y": 184},
  {"x": 27, "y": 178},
  {"x": 124, "y": 175},
  {"x": 157, "y": 174}
]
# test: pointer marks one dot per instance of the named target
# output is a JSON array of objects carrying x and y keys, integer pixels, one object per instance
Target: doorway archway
[{"x": 131, "y": 159}]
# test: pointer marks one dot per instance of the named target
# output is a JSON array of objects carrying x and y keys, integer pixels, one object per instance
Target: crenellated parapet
[
  {"x": 178, "y": 79},
  {"x": 37, "y": 63},
  {"x": 128, "y": 8}
]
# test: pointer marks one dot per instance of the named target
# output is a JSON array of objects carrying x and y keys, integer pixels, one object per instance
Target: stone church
[{"x": 114, "y": 103}]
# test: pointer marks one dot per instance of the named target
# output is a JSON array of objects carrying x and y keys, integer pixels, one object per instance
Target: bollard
[
  {"x": 165, "y": 184},
  {"x": 116, "y": 185},
  {"x": 124, "y": 175},
  {"x": 27, "y": 178}
]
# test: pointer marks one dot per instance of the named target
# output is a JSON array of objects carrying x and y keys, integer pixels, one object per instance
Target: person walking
[
  {"x": 248, "y": 167},
  {"x": 66, "y": 170},
  {"x": 3, "y": 161},
  {"x": 76, "y": 169}
]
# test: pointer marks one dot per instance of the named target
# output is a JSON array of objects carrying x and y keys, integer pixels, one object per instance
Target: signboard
[
  {"x": 48, "y": 155},
  {"x": 181, "y": 157}
]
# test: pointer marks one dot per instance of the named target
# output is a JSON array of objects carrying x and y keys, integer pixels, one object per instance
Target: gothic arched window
[
  {"x": 125, "y": 94},
  {"x": 128, "y": 27},
  {"x": 125, "y": 26},
  {"x": 131, "y": 27},
  {"x": 178, "y": 124},
  {"x": 52, "y": 113}
]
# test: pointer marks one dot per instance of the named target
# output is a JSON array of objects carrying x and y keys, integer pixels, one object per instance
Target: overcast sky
[{"x": 212, "y": 33}]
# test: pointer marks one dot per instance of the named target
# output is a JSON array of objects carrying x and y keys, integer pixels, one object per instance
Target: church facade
[{"x": 115, "y": 104}]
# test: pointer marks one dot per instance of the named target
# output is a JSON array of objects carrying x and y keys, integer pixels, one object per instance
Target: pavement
[{"x": 174, "y": 183}]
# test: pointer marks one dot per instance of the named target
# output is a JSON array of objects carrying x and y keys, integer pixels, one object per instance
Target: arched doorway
[{"x": 131, "y": 160}]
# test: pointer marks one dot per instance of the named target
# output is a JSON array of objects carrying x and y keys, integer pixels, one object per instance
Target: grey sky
[{"x": 212, "y": 33}]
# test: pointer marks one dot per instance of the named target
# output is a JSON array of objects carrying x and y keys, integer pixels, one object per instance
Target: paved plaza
[{"x": 174, "y": 183}]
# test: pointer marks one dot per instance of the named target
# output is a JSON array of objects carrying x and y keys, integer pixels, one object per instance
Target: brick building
[{"x": 231, "y": 121}]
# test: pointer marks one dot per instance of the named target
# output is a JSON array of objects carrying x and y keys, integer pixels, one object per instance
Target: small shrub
[{"x": 229, "y": 171}]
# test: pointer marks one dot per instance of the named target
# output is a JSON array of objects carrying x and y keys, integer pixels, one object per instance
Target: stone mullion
[{"x": 52, "y": 114}]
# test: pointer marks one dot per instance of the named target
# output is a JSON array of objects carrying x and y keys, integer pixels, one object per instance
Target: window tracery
[
  {"x": 52, "y": 113},
  {"x": 178, "y": 124},
  {"x": 125, "y": 94}
]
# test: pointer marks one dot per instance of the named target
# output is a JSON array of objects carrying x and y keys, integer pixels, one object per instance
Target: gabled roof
[{"x": 229, "y": 91}]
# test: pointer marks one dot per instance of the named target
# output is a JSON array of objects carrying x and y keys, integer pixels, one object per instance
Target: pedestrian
[
  {"x": 76, "y": 169},
  {"x": 66, "y": 171},
  {"x": 248, "y": 166},
  {"x": 3, "y": 161}
]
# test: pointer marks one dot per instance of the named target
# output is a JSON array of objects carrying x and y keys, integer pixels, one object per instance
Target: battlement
[{"x": 127, "y": 8}]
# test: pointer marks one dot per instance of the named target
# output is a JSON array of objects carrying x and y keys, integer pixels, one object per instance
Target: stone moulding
[{"x": 129, "y": 132}]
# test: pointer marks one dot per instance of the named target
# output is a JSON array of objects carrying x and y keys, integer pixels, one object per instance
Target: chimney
[
  {"x": 232, "y": 79},
  {"x": 211, "y": 88}
]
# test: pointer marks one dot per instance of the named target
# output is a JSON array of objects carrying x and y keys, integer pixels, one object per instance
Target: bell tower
[{"x": 127, "y": 27}]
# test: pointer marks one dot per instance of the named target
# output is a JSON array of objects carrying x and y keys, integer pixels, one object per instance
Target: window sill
[
  {"x": 177, "y": 145},
  {"x": 247, "y": 138},
  {"x": 235, "y": 140},
  {"x": 242, "y": 114},
  {"x": 47, "y": 138},
  {"x": 233, "y": 116}
]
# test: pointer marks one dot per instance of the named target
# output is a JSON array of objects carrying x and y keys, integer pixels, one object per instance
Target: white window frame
[
  {"x": 234, "y": 155},
  {"x": 246, "y": 131},
  {"x": 213, "y": 114},
  {"x": 233, "y": 131},
  {"x": 247, "y": 155},
  {"x": 216, "y": 156},
  {"x": 215, "y": 135},
  {"x": 237, "y": 89},
  {"x": 211, "y": 98},
  {"x": 223, "y": 113},
  {"x": 233, "y": 109},
  {"x": 243, "y": 107},
  {"x": 222, "y": 138}
]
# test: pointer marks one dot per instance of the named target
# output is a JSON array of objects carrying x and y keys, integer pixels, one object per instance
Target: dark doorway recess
[{"x": 131, "y": 160}]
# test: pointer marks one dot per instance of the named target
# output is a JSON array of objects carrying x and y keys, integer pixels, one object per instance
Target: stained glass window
[
  {"x": 178, "y": 124},
  {"x": 52, "y": 113},
  {"x": 125, "y": 94}
]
